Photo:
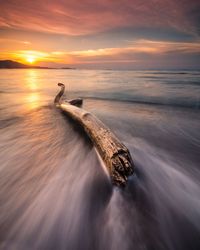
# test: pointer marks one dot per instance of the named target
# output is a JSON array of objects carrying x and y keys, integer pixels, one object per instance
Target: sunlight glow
[
  {"x": 30, "y": 59},
  {"x": 32, "y": 56}
]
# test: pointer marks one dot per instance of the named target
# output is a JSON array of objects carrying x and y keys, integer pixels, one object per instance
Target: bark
[{"x": 115, "y": 155}]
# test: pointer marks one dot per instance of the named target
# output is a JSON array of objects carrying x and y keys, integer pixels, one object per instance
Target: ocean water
[{"x": 54, "y": 193}]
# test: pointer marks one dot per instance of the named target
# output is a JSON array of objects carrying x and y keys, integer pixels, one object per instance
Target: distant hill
[
  {"x": 67, "y": 68},
  {"x": 9, "y": 64}
]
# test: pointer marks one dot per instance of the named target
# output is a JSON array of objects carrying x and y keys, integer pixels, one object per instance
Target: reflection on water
[
  {"x": 54, "y": 194},
  {"x": 31, "y": 79},
  {"x": 33, "y": 100}
]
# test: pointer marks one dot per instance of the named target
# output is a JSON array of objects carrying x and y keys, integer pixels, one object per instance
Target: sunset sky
[{"x": 124, "y": 34}]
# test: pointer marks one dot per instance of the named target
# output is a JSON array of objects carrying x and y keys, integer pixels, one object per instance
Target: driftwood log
[{"x": 115, "y": 155}]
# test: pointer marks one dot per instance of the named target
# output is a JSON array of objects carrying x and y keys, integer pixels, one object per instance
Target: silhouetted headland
[
  {"x": 9, "y": 64},
  {"x": 67, "y": 68}
]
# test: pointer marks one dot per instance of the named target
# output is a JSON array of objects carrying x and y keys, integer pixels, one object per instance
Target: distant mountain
[{"x": 9, "y": 64}]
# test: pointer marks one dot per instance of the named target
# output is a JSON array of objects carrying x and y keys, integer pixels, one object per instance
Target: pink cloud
[{"x": 89, "y": 16}]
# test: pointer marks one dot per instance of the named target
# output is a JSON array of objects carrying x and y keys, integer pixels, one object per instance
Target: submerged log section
[{"x": 115, "y": 155}]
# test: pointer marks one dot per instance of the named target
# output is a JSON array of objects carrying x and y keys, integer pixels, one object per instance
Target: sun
[{"x": 30, "y": 59}]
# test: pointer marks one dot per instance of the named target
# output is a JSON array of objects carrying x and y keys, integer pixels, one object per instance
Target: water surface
[{"x": 54, "y": 193}]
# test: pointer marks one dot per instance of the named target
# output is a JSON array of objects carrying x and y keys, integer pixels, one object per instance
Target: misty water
[{"x": 54, "y": 192}]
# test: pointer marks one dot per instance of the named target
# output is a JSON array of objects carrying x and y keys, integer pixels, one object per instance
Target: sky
[{"x": 104, "y": 34}]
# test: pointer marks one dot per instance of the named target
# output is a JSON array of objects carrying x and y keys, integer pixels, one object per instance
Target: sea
[{"x": 54, "y": 192}]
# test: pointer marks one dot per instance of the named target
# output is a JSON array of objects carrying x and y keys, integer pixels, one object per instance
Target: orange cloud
[{"x": 140, "y": 52}]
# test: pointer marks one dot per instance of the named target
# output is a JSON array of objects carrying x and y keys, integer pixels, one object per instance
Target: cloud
[
  {"x": 140, "y": 54},
  {"x": 88, "y": 16},
  {"x": 139, "y": 47},
  {"x": 13, "y": 41}
]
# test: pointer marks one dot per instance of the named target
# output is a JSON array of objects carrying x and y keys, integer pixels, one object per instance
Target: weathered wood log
[
  {"x": 77, "y": 102},
  {"x": 115, "y": 155}
]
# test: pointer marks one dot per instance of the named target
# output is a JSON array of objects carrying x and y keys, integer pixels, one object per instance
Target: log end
[{"x": 122, "y": 167}]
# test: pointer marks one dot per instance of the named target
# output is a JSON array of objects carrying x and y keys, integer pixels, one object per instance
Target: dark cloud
[
  {"x": 194, "y": 16},
  {"x": 151, "y": 33}
]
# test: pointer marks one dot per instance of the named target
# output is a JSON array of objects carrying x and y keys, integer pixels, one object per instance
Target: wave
[
  {"x": 172, "y": 81},
  {"x": 192, "y": 105},
  {"x": 14, "y": 119},
  {"x": 172, "y": 73},
  {"x": 11, "y": 120}
]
